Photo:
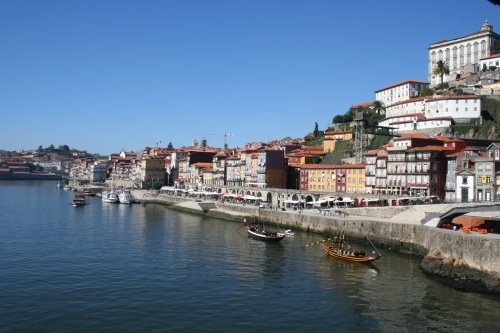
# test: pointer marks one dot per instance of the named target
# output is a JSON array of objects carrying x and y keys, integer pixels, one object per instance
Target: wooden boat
[
  {"x": 88, "y": 192},
  {"x": 258, "y": 232},
  {"x": 339, "y": 248},
  {"x": 347, "y": 254},
  {"x": 79, "y": 200}
]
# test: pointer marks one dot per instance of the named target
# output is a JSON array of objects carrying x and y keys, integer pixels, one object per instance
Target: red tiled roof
[
  {"x": 333, "y": 166},
  {"x": 416, "y": 135},
  {"x": 362, "y": 105},
  {"x": 371, "y": 152},
  {"x": 203, "y": 165},
  {"x": 428, "y": 148},
  {"x": 401, "y": 83}
]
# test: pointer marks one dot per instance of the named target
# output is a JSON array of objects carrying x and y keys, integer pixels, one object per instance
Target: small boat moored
[
  {"x": 338, "y": 247},
  {"x": 79, "y": 200},
  {"x": 258, "y": 232},
  {"x": 126, "y": 197},
  {"x": 109, "y": 196}
]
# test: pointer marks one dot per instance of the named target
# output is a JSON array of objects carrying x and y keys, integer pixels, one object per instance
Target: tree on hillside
[
  {"x": 441, "y": 69},
  {"x": 426, "y": 92},
  {"x": 378, "y": 107},
  {"x": 316, "y": 131}
]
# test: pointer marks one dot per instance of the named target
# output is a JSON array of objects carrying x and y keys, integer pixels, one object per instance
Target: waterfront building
[
  {"x": 411, "y": 164},
  {"x": 456, "y": 154},
  {"x": 200, "y": 174},
  {"x": 426, "y": 170},
  {"x": 370, "y": 170},
  {"x": 494, "y": 151},
  {"x": 98, "y": 171},
  {"x": 234, "y": 177},
  {"x": 485, "y": 178},
  {"x": 400, "y": 91},
  {"x": 461, "y": 54},
  {"x": 270, "y": 168},
  {"x": 355, "y": 179},
  {"x": 333, "y": 178},
  {"x": 465, "y": 186},
  {"x": 80, "y": 171},
  {"x": 318, "y": 177},
  {"x": 152, "y": 171},
  {"x": 183, "y": 158},
  {"x": 219, "y": 168}
]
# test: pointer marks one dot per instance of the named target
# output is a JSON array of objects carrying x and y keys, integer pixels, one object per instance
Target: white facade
[
  {"x": 399, "y": 92},
  {"x": 418, "y": 124},
  {"x": 465, "y": 187},
  {"x": 488, "y": 62},
  {"x": 457, "y": 107},
  {"x": 98, "y": 171},
  {"x": 431, "y": 113},
  {"x": 461, "y": 54},
  {"x": 413, "y": 106},
  {"x": 450, "y": 106}
]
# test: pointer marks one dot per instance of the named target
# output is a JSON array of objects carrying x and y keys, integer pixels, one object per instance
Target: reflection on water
[{"x": 115, "y": 267}]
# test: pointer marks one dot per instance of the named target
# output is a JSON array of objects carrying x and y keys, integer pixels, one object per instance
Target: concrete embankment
[{"x": 467, "y": 261}]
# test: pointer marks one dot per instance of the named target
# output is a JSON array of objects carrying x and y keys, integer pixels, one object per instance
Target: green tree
[
  {"x": 378, "y": 107},
  {"x": 426, "y": 92},
  {"x": 441, "y": 69},
  {"x": 316, "y": 131}
]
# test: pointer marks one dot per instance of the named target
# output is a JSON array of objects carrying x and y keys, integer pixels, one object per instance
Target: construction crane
[{"x": 225, "y": 135}]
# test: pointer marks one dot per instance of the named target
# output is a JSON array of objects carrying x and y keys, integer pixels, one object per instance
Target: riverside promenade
[{"x": 468, "y": 261}]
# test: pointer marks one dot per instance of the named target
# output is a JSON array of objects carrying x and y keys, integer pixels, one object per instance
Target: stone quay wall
[{"x": 468, "y": 261}]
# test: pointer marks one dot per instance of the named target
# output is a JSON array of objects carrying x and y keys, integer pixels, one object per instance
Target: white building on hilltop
[
  {"x": 461, "y": 54},
  {"x": 431, "y": 113},
  {"x": 400, "y": 91}
]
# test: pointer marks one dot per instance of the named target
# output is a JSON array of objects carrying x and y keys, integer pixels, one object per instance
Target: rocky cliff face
[{"x": 459, "y": 274}]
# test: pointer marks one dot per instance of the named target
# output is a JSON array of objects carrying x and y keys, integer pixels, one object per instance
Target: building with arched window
[{"x": 461, "y": 54}]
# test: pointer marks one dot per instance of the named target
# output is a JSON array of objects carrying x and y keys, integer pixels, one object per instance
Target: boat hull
[
  {"x": 347, "y": 254},
  {"x": 266, "y": 237}
]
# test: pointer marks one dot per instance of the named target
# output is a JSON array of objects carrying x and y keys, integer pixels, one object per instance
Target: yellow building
[
  {"x": 152, "y": 171},
  {"x": 318, "y": 177},
  {"x": 355, "y": 182},
  {"x": 333, "y": 178},
  {"x": 331, "y": 137}
]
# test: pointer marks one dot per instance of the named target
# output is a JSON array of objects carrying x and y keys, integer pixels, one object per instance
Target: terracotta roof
[
  {"x": 408, "y": 101},
  {"x": 333, "y": 166},
  {"x": 416, "y": 135},
  {"x": 203, "y": 165},
  {"x": 371, "y": 152},
  {"x": 401, "y": 83},
  {"x": 362, "y": 105},
  {"x": 427, "y": 148}
]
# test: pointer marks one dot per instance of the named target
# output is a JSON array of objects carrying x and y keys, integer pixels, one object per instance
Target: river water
[{"x": 119, "y": 268}]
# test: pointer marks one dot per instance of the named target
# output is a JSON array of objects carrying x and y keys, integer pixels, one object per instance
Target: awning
[{"x": 468, "y": 221}]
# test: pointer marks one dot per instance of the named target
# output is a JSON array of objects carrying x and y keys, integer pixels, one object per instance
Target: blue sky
[{"x": 110, "y": 75}]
